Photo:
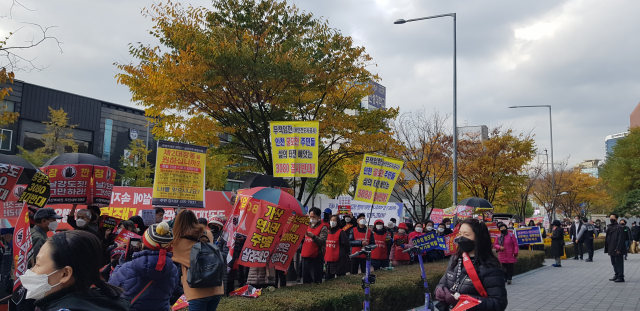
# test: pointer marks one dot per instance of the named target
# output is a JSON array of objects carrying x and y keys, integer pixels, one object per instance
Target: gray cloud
[{"x": 578, "y": 56}]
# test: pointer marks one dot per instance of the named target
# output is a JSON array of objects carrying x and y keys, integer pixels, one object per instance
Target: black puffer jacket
[
  {"x": 492, "y": 278},
  {"x": 65, "y": 299}
]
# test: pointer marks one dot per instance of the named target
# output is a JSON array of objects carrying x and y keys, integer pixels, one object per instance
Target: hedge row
[
  {"x": 598, "y": 243},
  {"x": 400, "y": 289}
]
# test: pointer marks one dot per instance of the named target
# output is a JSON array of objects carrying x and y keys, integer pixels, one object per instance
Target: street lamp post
[
  {"x": 455, "y": 99},
  {"x": 553, "y": 175}
]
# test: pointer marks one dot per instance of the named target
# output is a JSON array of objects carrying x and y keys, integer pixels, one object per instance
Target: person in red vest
[
  {"x": 357, "y": 240},
  {"x": 336, "y": 253},
  {"x": 313, "y": 248},
  {"x": 400, "y": 243},
  {"x": 379, "y": 255}
]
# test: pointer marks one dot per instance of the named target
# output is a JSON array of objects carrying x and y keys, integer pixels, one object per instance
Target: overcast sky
[{"x": 581, "y": 57}]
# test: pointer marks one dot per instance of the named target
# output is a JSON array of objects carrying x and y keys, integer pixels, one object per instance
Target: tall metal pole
[
  {"x": 455, "y": 118},
  {"x": 553, "y": 174}
]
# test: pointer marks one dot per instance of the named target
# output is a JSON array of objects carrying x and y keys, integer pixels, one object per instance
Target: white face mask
[
  {"x": 429, "y": 228},
  {"x": 333, "y": 224},
  {"x": 313, "y": 221},
  {"x": 379, "y": 227},
  {"x": 440, "y": 229},
  {"x": 347, "y": 219},
  {"x": 37, "y": 285},
  {"x": 362, "y": 222},
  {"x": 418, "y": 229},
  {"x": 391, "y": 225},
  {"x": 401, "y": 231},
  {"x": 53, "y": 226},
  {"x": 81, "y": 223},
  {"x": 576, "y": 221}
]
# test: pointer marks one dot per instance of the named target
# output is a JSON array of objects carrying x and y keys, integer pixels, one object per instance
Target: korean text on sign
[
  {"x": 37, "y": 193},
  {"x": 8, "y": 178},
  {"x": 294, "y": 147},
  {"x": 264, "y": 235},
  {"x": 70, "y": 183},
  {"x": 378, "y": 176},
  {"x": 103, "y": 179},
  {"x": 528, "y": 235},
  {"x": 291, "y": 239},
  {"x": 180, "y": 173},
  {"x": 430, "y": 241}
]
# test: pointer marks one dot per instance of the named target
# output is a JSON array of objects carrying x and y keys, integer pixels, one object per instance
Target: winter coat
[
  {"x": 341, "y": 266},
  {"x": 491, "y": 276},
  {"x": 614, "y": 241},
  {"x": 557, "y": 242},
  {"x": 140, "y": 272},
  {"x": 261, "y": 276},
  {"x": 182, "y": 255},
  {"x": 96, "y": 300},
  {"x": 510, "y": 245},
  {"x": 38, "y": 238}
]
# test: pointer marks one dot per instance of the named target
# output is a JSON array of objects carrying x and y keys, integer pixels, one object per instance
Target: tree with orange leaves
[{"x": 231, "y": 70}]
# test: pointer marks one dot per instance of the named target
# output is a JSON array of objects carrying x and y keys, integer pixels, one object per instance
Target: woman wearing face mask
[
  {"x": 507, "y": 247},
  {"x": 380, "y": 254},
  {"x": 473, "y": 271},
  {"x": 312, "y": 248},
  {"x": 418, "y": 231},
  {"x": 348, "y": 222},
  {"x": 434, "y": 254},
  {"x": 65, "y": 274},
  {"x": 557, "y": 243},
  {"x": 400, "y": 243},
  {"x": 336, "y": 250},
  {"x": 357, "y": 240}
]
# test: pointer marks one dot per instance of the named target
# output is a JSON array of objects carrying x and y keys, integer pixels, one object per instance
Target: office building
[
  {"x": 589, "y": 167},
  {"x": 610, "y": 141}
]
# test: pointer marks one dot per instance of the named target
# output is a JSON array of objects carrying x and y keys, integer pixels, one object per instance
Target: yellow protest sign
[
  {"x": 378, "y": 176},
  {"x": 179, "y": 178},
  {"x": 294, "y": 148}
]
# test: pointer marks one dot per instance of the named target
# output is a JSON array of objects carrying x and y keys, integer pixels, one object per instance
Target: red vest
[
  {"x": 332, "y": 250},
  {"x": 397, "y": 253},
  {"x": 309, "y": 248},
  {"x": 358, "y": 236},
  {"x": 380, "y": 252}
]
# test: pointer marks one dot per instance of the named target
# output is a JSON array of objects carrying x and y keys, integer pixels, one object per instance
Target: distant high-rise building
[
  {"x": 479, "y": 133},
  {"x": 610, "y": 141},
  {"x": 377, "y": 100},
  {"x": 589, "y": 167}
]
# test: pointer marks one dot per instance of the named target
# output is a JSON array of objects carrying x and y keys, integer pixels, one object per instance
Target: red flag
[
  {"x": 465, "y": 303},
  {"x": 21, "y": 245}
]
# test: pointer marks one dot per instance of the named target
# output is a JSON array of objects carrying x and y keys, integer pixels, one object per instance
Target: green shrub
[
  {"x": 598, "y": 243},
  {"x": 400, "y": 289}
]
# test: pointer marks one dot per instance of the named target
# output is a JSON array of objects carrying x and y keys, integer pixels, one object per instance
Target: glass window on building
[
  {"x": 33, "y": 141},
  {"x": 6, "y": 139},
  {"x": 7, "y": 105},
  {"x": 232, "y": 186}
]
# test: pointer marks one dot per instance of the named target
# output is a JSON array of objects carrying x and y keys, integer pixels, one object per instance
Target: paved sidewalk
[{"x": 577, "y": 285}]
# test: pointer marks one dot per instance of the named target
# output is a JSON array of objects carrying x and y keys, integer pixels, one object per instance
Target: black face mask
[
  {"x": 613, "y": 221},
  {"x": 465, "y": 244},
  {"x": 504, "y": 232},
  {"x": 215, "y": 230}
]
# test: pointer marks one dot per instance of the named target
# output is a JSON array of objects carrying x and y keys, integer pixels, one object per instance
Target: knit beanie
[{"x": 157, "y": 238}]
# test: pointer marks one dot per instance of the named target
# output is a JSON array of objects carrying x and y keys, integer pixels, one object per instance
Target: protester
[
  {"x": 434, "y": 254},
  {"x": 186, "y": 232},
  {"x": 507, "y": 247},
  {"x": 236, "y": 271},
  {"x": 6, "y": 257},
  {"x": 46, "y": 220},
  {"x": 357, "y": 240},
  {"x": 149, "y": 279},
  {"x": 391, "y": 226},
  {"x": 337, "y": 250},
  {"x": 578, "y": 247},
  {"x": 586, "y": 234},
  {"x": 557, "y": 243},
  {"x": 137, "y": 220},
  {"x": 380, "y": 255},
  {"x": 614, "y": 246},
  {"x": 626, "y": 236},
  {"x": 348, "y": 222},
  {"x": 313, "y": 247},
  {"x": 447, "y": 226},
  {"x": 115, "y": 255},
  {"x": 531, "y": 223},
  {"x": 400, "y": 243},
  {"x": 474, "y": 241},
  {"x": 326, "y": 216},
  {"x": 215, "y": 225},
  {"x": 159, "y": 214},
  {"x": 70, "y": 260},
  {"x": 417, "y": 232}
]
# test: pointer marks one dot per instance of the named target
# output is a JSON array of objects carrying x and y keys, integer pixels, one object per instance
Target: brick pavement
[{"x": 577, "y": 285}]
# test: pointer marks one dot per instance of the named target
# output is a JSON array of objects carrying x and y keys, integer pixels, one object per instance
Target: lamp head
[{"x": 399, "y": 21}]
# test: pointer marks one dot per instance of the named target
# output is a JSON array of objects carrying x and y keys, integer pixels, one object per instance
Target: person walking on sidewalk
[
  {"x": 615, "y": 247},
  {"x": 557, "y": 242},
  {"x": 586, "y": 235},
  {"x": 626, "y": 236},
  {"x": 507, "y": 247},
  {"x": 578, "y": 248}
]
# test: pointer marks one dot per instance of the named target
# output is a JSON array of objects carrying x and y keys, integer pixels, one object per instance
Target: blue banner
[
  {"x": 429, "y": 241},
  {"x": 528, "y": 235}
]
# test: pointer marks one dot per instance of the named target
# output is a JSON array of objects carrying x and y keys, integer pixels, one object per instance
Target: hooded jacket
[{"x": 136, "y": 274}]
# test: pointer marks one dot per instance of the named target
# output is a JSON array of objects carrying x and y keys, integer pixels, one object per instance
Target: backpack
[{"x": 206, "y": 265}]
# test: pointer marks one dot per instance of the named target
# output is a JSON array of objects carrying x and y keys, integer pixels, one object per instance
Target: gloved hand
[
  {"x": 448, "y": 297},
  {"x": 440, "y": 295}
]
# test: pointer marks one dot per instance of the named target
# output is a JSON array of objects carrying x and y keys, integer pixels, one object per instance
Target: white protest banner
[{"x": 384, "y": 212}]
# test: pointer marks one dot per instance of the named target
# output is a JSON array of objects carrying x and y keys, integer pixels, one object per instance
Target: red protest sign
[
  {"x": 109, "y": 222},
  {"x": 69, "y": 183},
  {"x": 124, "y": 236},
  {"x": 21, "y": 245},
  {"x": 290, "y": 241},
  {"x": 451, "y": 246},
  {"x": 263, "y": 236},
  {"x": 11, "y": 209},
  {"x": 8, "y": 178},
  {"x": 437, "y": 214},
  {"x": 465, "y": 303},
  {"x": 103, "y": 179}
]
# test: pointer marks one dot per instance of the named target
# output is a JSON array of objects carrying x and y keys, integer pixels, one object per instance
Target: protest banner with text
[
  {"x": 21, "y": 245},
  {"x": 378, "y": 176},
  {"x": 291, "y": 239},
  {"x": 528, "y": 235},
  {"x": 8, "y": 178},
  {"x": 180, "y": 175},
  {"x": 294, "y": 147},
  {"x": 38, "y": 191},
  {"x": 264, "y": 235}
]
